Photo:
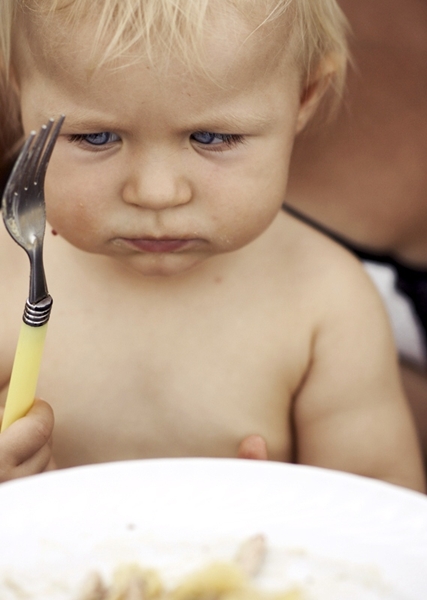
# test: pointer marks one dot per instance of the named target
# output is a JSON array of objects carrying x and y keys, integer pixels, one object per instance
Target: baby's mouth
[{"x": 159, "y": 245}]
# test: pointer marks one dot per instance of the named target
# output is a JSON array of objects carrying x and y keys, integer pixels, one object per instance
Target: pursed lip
[{"x": 159, "y": 245}]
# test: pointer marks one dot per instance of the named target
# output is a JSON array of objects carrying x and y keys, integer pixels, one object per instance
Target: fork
[{"x": 24, "y": 216}]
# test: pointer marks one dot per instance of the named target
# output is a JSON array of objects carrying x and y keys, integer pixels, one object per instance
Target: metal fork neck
[
  {"x": 38, "y": 285},
  {"x": 39, "y": 303}
]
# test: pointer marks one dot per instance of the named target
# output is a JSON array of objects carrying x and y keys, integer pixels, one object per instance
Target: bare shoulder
[
  {"x": 350, "y": 413},
  {"x": 321, "y": 268},
  {"x": 346, "y": 310}
]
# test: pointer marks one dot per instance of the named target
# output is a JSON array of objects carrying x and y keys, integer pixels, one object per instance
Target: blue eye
[
  {"x": 208, "y": 138},
  {"x": 101, "y": 138},
  {"x": 95, "y": 139}
]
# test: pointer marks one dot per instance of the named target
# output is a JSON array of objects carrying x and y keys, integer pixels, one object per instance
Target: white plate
[{"x": 176, "y": 514}]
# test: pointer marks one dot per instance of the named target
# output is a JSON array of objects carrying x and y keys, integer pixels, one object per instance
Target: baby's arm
[
  {"x": 25, "y": 446},
  {"x": 350, "y": 413}
]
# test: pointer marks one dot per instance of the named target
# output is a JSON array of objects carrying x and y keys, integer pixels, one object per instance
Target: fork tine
[
  {"x": 31, "y": 164},
  {"x": 27, "y": 175},
  {"x": 18, "y": 168},
  {"x": 42, "y": 167},
  {"x": 36, "y": 151}
]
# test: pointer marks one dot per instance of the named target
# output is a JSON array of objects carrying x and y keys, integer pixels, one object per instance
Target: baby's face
[{"x": 164, "y": 169}]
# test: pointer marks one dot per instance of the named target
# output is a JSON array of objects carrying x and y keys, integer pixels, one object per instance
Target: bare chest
[{"x": 138, "y": 387}]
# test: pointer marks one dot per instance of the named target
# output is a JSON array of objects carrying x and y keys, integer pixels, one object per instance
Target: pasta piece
[
  {"x": 211, "y": 583},
  {"x": 93, "y": 588},
  {"x": 131, "y": 582},
  {"x": 251, "y": 555}
]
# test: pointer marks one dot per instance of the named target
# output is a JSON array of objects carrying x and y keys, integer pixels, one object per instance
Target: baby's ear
[{"x": 315, "y": 88}]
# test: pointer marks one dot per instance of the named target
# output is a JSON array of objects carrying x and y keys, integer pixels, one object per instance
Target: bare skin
[
  {"x": 26, "y": 446},
  {"x": 253, "y": 447},
  {"x": 364, "y": 176},
  {"x": 190, "y": 312},
  {"x": 268, "y": 363}
]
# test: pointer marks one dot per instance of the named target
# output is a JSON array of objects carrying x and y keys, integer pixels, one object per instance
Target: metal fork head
[
  {"x": 23, "y": 205},
  {"x": 23, "y": 199}
]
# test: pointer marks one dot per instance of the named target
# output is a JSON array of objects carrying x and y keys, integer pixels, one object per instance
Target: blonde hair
[
  {"x": 10, "y": 125},
  {"x": 177, "y": 25}
]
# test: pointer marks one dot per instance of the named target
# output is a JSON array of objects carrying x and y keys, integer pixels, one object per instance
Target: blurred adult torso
[{"x": 365, "y": 175}]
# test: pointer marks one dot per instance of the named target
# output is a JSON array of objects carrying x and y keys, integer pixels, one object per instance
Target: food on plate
[{"x": 216, "y": 581}]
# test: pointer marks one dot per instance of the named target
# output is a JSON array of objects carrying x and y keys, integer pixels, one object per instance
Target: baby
[{"x": 190, "y": 312}]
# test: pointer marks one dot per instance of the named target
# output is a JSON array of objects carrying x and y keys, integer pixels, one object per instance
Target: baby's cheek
[{"x": 257, "y": 215}]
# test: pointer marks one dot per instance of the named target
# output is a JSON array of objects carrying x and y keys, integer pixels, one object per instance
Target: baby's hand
[
  {"x": 253, "y": 447},
  {"x": 25, "y": 446}
]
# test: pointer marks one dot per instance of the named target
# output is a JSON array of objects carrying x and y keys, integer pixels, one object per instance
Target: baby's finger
[
  {"x": 36, "y": 463},
  {"x": 253, "y": 447},
  {"x": 28, "y": 435}
]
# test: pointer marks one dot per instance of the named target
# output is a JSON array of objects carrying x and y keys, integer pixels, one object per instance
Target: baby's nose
[{"x": 157, "y": 184}]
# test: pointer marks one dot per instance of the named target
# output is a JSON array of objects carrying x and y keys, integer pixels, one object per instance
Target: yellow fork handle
[{"x": 25, "y": 373}]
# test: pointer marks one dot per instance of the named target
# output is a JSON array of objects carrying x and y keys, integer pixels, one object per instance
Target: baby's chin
[{"x": 164, "y": 265}]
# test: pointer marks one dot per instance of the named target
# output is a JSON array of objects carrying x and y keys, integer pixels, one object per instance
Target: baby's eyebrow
[
  {"x": 228, "y": 121},
  {"x": 232, "y": 122},
  {"x": 85, "y": 122}
]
